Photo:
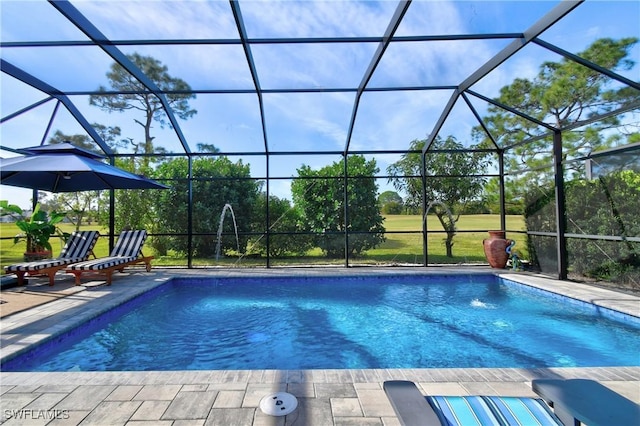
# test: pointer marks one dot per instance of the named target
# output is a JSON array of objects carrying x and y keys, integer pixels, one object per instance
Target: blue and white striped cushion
[
  {"x": 522, "y": 411},
  {"x": 77, "y": 249},
  {"x": 80, "y": 244},
  {"x": 127, "y": 249},
  {"x": 463, "y": 410},
  {"x": 37, "y": 265},
  {"x": 129, "y": 243},
  {"x": 101, "y": 263},
  {"x": 492, "y": 410}
]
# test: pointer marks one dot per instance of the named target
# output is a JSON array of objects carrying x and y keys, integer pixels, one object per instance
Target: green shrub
[{"x": 607, "y": 206}]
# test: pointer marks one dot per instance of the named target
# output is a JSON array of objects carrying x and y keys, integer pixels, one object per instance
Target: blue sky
[{"x": 296, "y": 123}]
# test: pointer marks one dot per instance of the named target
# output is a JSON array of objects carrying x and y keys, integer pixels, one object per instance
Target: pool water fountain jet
[
  {"x": 251, "y": 245},
  {"x": 235, "y": 228}
]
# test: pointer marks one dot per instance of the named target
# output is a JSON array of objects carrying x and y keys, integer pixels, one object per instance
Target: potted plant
[{"x": 36, "y": 230}]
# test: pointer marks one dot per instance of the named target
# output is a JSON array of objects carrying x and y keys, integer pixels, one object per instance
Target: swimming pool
[{"x": 414, "y": 321}]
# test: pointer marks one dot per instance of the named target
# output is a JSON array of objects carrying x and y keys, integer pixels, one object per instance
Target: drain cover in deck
[{"x": 278, "y": 404}]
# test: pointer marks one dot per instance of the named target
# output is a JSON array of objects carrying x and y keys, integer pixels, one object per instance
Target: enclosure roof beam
[
  {"x": 479, "y": 119},
  {"x": 40, "y": 85},
  {"x": 511, "y": 110},
  {"x": 582, "y": 123},
  {"x": 237, "y": 15},
  {"x": 262, "y": 91},
  {"x": 91, "y": 31},
  {"x": 544, "y": 23},
  {"x": 615, "y": 150},
  {"x": 588, "y": 64},
  {"x": 236, "y": 41},
  {"x": 401, "y": 9},
  {"x": 26, "y": 109},
  {"x": 443, "y": 117},
  {"x": 553, "y": 16},
  {"x": 599, "y": 117}
]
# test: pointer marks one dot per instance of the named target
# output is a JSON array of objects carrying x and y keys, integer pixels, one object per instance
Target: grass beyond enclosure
[
  {"x": 403, "y": 244},
  {"x": 12, "y": 253},
  {"x": 467, "y": 248}
]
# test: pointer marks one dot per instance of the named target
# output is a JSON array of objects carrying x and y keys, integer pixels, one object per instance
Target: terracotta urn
[{"x": 495, "y": 249}]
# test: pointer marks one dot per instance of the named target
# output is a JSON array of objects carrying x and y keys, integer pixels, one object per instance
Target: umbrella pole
[
  {"x": 112, "y": 218},
  {"x": 34, "y": 199}
]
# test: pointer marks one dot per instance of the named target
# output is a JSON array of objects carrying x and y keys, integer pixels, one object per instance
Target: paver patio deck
[{"x": 326, "y": 397}]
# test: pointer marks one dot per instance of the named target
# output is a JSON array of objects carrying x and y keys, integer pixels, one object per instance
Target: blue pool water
[{"x": 357, "y": 322}]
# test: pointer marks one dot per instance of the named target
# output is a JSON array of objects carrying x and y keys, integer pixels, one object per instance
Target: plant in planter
[{"x": 36, "y": 230}]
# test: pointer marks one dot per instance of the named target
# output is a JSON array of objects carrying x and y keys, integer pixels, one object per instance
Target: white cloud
[
  {"x": 316, "y": 19},
  {"x": 161, "y": 19}
]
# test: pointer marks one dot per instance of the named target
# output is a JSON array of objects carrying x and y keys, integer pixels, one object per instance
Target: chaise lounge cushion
[
  {"x": 414, "y": 409},
  {"x": 77, "y": 249},
  {"x": 486, "y": 410},
  {"x": 127, "y": 249},
  {"x": 38, "y": 265},
  {"x": 102, "y": 263}
]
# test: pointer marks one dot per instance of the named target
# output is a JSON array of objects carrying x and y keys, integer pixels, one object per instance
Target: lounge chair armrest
[
  {"x": 586, "y": 401},
  {"x": 410, "y": 405}
]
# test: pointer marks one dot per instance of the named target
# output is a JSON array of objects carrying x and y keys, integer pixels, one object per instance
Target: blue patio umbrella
[{"x": 65, "y": 167}]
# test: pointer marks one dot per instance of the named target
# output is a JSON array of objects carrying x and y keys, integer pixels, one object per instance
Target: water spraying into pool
[{"x": 235, "y": 228}]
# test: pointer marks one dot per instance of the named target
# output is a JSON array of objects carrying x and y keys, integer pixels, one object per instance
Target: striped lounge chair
[
  {"x": 414, "y": 409},
  {"x": 77, "y": 249},
  {"x": 127, "y": 251}
]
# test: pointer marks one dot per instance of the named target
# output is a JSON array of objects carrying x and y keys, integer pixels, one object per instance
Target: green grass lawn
[
  {"x": 11, "y": 253},
  {"x": 403, "y": 244},
  {"x": 467, "y": 248}
]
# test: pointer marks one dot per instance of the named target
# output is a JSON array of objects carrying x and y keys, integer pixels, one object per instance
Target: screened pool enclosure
[{"x": 342, "y": 132}]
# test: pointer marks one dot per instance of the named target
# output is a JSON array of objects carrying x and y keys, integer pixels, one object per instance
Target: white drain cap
[{"x": 278, "y": 404}]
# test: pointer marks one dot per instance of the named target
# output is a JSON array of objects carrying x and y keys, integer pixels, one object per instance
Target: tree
[
  {"x": 390, "y": 202},
  {"x": 216, "y": 182},
  {"x": 207, "y": 147},
  {"x": 284, "y": 218},
  {"x": 319, "y": 196},
  {"x": 132, "y": 206},
  {"x": 514, "y": 204},
  {"x": 133, "y": 95},
  {"x": 451, "y": 180},
  {"x": 563, "y": 93},
  {"x": 82, "y": 205},
  {"x": 604, "y": 206}
]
